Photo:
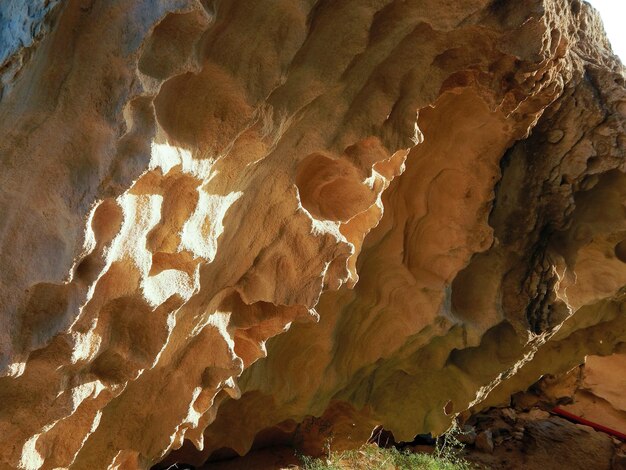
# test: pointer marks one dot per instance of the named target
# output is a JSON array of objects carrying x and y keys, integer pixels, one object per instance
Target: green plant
[
  {"x": 448, "y": 455},
  {"x": 371, "y": 457},
  {"x": 310, "y": 463},
  {"x": 449, "y": 448}
]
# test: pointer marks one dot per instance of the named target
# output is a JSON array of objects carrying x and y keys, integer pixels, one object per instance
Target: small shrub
[
  {"x": 449, "y": 448},
  {"x": 370, "y": 457}
]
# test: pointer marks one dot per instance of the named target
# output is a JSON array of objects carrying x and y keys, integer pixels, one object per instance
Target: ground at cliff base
[
  {"x": 498, "y": 439},
  {"x": 506, "y": 439},
  {"x": 371, "y": 457},
  {"x": 367, "y": 457}
]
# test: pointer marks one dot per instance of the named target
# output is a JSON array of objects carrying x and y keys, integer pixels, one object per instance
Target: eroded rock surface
[
  {"x": 594, "y": 391},
  {"x": 538, "y": 440},
  {"x": 431, "y": 197},
  {"x": 600, "y": 397}
]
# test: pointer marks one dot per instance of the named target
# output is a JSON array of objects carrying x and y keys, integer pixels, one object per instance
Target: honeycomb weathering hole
[
  {"x": 620, "y": 251},
  {"x": 332, "y": 189}
]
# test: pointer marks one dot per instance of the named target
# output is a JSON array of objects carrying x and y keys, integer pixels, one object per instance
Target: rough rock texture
[
  {"x": 512, "y": 439},
  {"x": 595, "y": 392},
  {"x": 183, "y": 180},
  {"x": 600, "y": 397},
  {"x": 537, "y": 440}
]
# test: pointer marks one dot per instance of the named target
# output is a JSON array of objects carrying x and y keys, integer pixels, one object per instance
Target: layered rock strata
[
  {"x": 593, "y": 392},
  {"x": 431, "y": 197},
  {"x": 536, "y": 439},
  {"x": 600, "y": 395}
]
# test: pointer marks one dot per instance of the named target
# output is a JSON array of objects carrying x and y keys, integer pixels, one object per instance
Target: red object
[{"x": 596, "y": 426}]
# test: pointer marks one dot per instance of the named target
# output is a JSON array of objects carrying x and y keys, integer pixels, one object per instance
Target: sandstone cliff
[{"x": 430, "y": 198}]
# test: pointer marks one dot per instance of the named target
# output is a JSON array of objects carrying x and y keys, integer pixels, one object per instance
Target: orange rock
[{"x": 408, "y": 210}]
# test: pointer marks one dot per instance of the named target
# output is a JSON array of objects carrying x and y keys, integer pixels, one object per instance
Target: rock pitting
[{"x": 422, "y": 205}]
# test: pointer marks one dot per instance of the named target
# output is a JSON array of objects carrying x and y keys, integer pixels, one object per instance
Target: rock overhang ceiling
[{"x": 430, "y": 200}]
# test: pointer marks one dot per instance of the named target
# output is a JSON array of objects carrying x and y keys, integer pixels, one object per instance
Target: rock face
[
  {"x": 431, "y": 197},
  {"x": 598, "y": 395},
  {"x": 538, "y": 440}
]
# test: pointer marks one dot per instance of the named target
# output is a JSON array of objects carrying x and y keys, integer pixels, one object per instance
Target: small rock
[
  {"x": 500, "y": 425},
  {"x": 509, "y": 414},
  {"x": 467, "y": 435},
  {"x": 555, "y": 136},
  {"x": 524, "y": 401},
  {"x": 484, "y": 442},
  {"x": 618, "y": 462},
  {"x": 536, "y": 414},
  {"x": 584, "y": 427}
]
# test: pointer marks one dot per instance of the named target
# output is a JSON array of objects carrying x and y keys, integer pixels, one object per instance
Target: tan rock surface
[
  {"x": 600, "y": 396},
  {"x": 538, "y": 440},
  {"x": 443, "y": 188}
]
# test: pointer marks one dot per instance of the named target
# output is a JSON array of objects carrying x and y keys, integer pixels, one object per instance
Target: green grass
[{"x": 371, "y": 457}]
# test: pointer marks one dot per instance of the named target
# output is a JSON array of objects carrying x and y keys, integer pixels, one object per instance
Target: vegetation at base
[
  {"x": 447, "y": 455},
  {"x": 372, "y": 457}
]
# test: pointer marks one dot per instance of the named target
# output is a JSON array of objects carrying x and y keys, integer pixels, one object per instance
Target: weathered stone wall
[{"x": 431, "y": 197}]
